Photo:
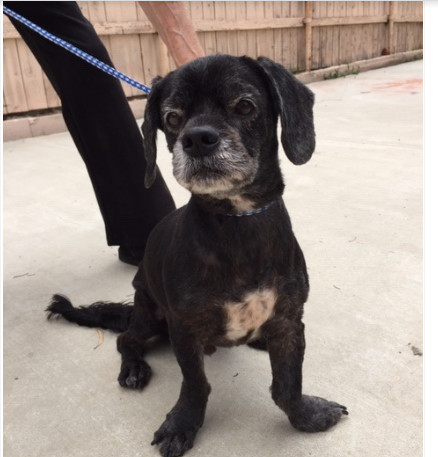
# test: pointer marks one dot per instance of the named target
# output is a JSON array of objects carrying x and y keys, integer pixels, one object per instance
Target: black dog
[{"x": 226, "y": 268}]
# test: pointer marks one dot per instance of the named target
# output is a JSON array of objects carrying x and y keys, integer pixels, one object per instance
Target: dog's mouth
[{"x": 226, "y": 170}]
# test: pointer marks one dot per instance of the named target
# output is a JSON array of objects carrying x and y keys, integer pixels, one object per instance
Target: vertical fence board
[
  {"x": 366, "y": 32},
  {"x": 410, "y": 31},
  {"x": 125, "y": 49},
  {"x": 335, "y": 34},
  {"x": 196, "y": 13},
  {"x": 210, "y": 37},
  {"x": 301, "y": 39},
  {"x": 316, "y": 33},
  {"x": 324, "y": 45},
  {"x": 265, "y": 39},
  {"x": 15, "y": 93},
  {"x": 373, "y": 32},
  {"x": 329, "y": 51},
  {"x": 397, "y": 35},
  {"x": 32, "y": 76},
  {"x": 151, "y": 60},
  {"x": 297, "y": 46},
  {"x": 242, "y": 36},
  {"x": 251, "y": 44},
  {"x": 278, "y": 33},
  {"x": 286, "y": 57},
  {"x": 221, "y": 37},
  {"x": 231, "y": 17}
]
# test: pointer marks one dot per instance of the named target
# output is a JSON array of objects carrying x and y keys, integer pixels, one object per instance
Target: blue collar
[{"x": 253, "y": 212}]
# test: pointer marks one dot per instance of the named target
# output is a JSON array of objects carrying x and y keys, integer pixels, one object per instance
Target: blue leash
[{"x": 77, "y": 52}]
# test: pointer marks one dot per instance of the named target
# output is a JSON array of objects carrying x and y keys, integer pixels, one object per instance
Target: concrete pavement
[{"x": 356, "y": 208}]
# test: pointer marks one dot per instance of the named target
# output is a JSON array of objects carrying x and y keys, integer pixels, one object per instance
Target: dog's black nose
[{"x": 200, "y": 141}]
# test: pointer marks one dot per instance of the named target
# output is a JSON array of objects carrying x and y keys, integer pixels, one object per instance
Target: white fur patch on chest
[{"x": 249, "y": 314}]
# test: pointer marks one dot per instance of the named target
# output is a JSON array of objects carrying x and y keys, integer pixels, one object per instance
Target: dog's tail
[{"x": 106, "y": 315}]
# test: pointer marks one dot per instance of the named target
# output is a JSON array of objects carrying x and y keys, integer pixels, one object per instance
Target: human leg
[{"x": 99, "y": 120}]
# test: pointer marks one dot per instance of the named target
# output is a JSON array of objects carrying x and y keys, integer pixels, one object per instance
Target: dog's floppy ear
[
  {"x": 294, "y": 103},
  {"x": 152, "y": 122}
]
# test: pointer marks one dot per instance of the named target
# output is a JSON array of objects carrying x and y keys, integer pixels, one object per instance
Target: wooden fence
[{"x": 303, "y": 36}]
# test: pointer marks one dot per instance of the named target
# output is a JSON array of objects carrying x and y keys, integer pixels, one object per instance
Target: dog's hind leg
[
  {"x": 305, "y": 413},
  {"x": 144, "y": 325}
]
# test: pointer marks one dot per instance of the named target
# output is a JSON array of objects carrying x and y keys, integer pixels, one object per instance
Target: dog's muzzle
[{"x": 208, "y": 160}]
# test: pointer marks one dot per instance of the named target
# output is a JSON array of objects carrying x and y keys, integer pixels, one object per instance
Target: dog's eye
[
  {"x": 173, "y": 119},
  {"x": 244, "y": 107}
]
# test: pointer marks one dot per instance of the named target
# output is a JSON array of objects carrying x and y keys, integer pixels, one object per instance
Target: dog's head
[{"x": 219, "y": 115}]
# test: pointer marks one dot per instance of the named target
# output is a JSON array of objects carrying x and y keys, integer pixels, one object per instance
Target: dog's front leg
[
  {"x": 306, "y": 413},
  {"x": 177, "y": 433}
]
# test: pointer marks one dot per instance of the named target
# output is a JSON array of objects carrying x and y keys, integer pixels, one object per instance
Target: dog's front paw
[
  {"x": 175, "y": 436},
  {"x": 315, "y": 414},
  {"x": 134, "y": 374}
]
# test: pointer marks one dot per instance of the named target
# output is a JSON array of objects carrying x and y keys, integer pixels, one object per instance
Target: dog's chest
[{"x": 244, "y": 318}]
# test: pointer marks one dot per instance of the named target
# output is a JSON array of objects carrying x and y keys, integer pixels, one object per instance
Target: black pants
[{"x": 99, "y": 120}]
